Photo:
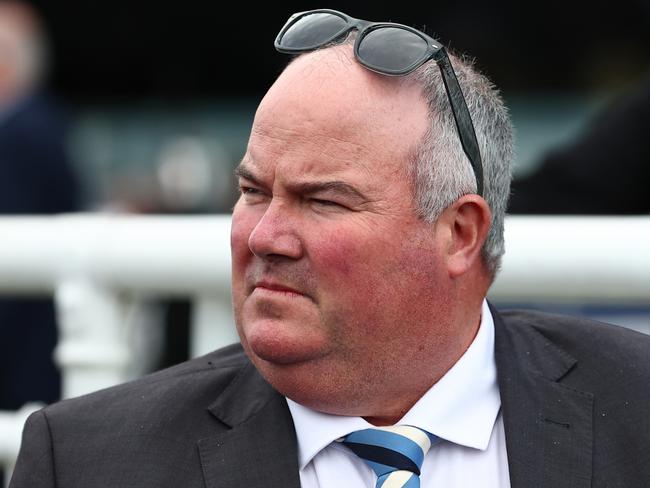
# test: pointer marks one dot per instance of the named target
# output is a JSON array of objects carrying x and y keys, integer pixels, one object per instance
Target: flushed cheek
[
  {"x": 350, "y": 286},
  {"x": 243, "y": 224},
  {"x": 241, "y": 256},
  {"x": 373, "y": 283},
  {"x": 350, "y": 264}
]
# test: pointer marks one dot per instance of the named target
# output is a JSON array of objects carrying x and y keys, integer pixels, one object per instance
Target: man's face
[{"x": 334, "y": 276}]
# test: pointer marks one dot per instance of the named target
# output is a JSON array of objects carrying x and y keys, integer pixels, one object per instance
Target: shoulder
[
  {"x": 145, "y": 431},
  {"x": 579, "y": 333},
  {"x": 186, "y": 386},
  {"x": 593, "y": 376},
  {"x": 604, "y": 353},
  {"x": 39, "y": 111}
]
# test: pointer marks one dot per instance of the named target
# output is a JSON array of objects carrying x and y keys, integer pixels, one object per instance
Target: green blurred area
[{"x": 120, "y": 149}]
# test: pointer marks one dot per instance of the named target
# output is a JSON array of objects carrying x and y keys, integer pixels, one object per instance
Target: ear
[{"x": 468, "y": 222}]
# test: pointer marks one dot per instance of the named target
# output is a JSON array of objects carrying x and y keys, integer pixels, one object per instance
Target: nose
[{"x": 276, "y": 234}]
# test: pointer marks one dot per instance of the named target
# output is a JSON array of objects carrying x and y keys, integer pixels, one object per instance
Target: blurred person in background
[
  {"x": 605, "y": 171},
  {"x": 36, "y": 177}
]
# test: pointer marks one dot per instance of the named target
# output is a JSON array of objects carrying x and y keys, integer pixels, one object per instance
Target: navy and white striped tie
[{"x": 395, "y": 453}]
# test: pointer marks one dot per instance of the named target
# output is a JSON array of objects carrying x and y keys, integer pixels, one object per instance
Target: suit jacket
[{"x": 575, "y": 397}]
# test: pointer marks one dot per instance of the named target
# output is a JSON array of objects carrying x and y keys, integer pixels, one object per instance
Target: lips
[{"x": 277, "y": 288}]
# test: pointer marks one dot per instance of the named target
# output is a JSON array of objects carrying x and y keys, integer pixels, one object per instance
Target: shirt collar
[{"x": 461, "y": 407}]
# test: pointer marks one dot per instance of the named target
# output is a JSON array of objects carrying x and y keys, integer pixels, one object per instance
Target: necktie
[{"x": 395, "y": 453}]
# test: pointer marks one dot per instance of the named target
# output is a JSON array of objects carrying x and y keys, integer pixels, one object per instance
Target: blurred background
[
  {"x": 160, "y": 96},
  {"x": 145, "y": 107}
]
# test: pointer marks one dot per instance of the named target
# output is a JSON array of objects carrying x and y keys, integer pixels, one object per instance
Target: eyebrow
[
  {"x": 309, "y": 188},
  {"x": 241, "y": 171},
  {"x": 334, "y": 187}
]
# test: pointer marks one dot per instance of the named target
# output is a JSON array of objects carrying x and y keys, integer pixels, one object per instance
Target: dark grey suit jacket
[{"x": 575, "y": 396}]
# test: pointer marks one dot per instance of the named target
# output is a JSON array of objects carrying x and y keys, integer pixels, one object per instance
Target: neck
[{"x": 391, "y": 415}]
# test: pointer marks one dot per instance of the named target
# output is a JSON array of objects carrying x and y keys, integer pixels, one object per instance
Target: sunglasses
[{"x": 389, "y": 49}]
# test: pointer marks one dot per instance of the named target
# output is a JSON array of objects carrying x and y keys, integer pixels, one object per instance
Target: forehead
[{"x": 325, "y": 107}]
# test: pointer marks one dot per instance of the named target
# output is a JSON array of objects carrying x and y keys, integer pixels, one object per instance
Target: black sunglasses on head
[{"x": 387, "y": 48}]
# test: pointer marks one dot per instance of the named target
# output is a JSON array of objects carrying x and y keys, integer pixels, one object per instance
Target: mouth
[{"x": 277, "y": 289}]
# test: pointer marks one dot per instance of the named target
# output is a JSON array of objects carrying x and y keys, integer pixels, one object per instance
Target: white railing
[
  {"x": 94, "y": 264},
  {"x": 576, "y": 260}
]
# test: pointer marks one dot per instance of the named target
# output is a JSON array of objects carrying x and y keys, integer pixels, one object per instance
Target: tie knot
[{"x": 390, "y": 449}]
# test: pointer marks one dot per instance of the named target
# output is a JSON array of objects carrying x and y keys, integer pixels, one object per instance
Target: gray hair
[{"x": 441, "y": 172}]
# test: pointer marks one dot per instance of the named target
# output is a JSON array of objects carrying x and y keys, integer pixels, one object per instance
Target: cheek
[
  {"x": 348, "y": 257},
  {"x": 243, "y": 223},
  {"x": 375, "y": 274},
  {"x": 341, "y": 257},
  {"x": 242, "y": 226},
  {"x": 337, "y": 256},
  {"x": 353, "y": 271}
]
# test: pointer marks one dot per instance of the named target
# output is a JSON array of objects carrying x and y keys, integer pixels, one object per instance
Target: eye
[
  {"x": 326, "y": 204},
  {"x": 247, "y": 190},
  {"x": 251, "y": 194},
  {"x": 320, "y": 201}
]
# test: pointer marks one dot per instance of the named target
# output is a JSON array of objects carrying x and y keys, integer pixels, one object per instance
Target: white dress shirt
[{"x": 462, "y": 408}]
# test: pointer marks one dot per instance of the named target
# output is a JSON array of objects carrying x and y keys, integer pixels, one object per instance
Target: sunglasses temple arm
[{"x": 463, "y": 120}]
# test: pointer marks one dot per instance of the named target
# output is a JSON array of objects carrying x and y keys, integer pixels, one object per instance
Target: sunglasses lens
[
  {"x": 313, "y": 30},
  {"x": 391, "y": 49}
]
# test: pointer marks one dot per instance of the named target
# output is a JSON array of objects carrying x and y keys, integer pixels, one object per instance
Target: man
[
  {"x": 362, "y": 253},
  {"x": 36, "y": 177}
]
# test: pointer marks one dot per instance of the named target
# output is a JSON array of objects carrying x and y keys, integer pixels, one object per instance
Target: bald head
[{"x": 329, "y": 89}]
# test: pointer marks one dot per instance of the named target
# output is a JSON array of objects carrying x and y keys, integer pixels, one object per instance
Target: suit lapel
[
  {"x": 259, "y": 449},
  {"x": 548, "y": 425}
]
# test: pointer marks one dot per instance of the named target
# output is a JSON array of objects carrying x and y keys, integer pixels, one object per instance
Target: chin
[
  {"x": 313, "y": 385},
  {"x": 284, "y": 341}
]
